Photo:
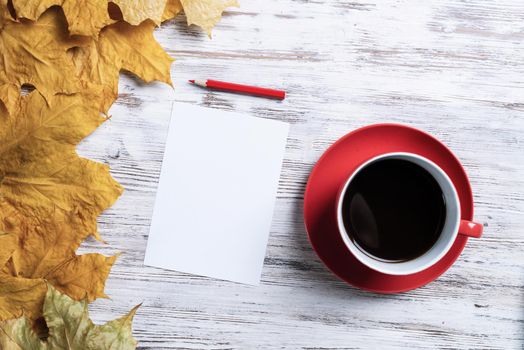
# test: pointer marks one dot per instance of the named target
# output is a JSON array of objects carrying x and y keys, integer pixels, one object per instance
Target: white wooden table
[{"x": 452, "y": 68}]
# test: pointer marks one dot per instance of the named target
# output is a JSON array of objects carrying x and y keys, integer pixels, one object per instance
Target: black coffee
[{"x": 394, "y": 210}]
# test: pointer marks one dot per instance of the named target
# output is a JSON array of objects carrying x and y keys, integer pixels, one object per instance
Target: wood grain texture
[{"x": 452, "y": 68}]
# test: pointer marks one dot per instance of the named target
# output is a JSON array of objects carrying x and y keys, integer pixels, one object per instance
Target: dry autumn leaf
[
  {"x": 35, "y": 53},
  {"x": 69, "y": 328},
  {"x": 82, "y": 276},
  {"x": 17, "y": 294},
  {"x": 206, "y": 13},
  {"x": 135, "y": 12},
  {"x": 21, "y": 296},
  {"x": 93, "y": 15},
  {"x": 173, "y": 8},
  {"x": 87, "y": 18},
  {"x": 45, "y": 248},
  {"x": 119, "y": 43},
  {"x": 90, "y": 18},
  {"x": 101, "y": 61},
  {"x": 45, "y": 239},
  {"x": 50, "y": 197},
  {"x": 39, "y": 167},
  {"x": 48, "y": 59}
]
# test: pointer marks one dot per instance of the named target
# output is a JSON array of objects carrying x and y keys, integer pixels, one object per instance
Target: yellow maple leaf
[
  {"x": 45, "y": 248},
  {"x": 50, "y": 197},
  {"x": 91, "y": 16},
  {"x": 135, "y": 12},
  {"x": 21, "y": 296},
  {"x": 85, "y": 18},
  {"x": 39, "y": 166},
  {"x": 172, "y": 9},
  {"x": 82, "y": 276},
  {"x": 35, "y": 53},
  {"x": 119, "y": 42},
  {"x": 100, "y": 61},
  {"x": 45, "y": 239},
  {"x": 17, "y": 294},
  {"x": 206, "y": 13},
  {"x": 42, "y": 54},
  {"x": 203, "y": 13}
]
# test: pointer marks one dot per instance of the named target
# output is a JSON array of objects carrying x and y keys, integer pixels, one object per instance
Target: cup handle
[{"x": 470, "y": 229}]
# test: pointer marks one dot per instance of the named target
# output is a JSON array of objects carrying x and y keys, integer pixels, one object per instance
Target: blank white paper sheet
[{"x": 216, "y": 194}]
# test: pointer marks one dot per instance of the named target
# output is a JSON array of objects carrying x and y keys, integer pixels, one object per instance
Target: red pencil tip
[{"x": 192, "y": 81}]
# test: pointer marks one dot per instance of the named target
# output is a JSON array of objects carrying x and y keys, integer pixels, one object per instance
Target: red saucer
[{"x": 335, "y": 166}]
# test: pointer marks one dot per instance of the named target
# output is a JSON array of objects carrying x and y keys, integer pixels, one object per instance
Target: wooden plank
[{"x": 452, "y": 68}]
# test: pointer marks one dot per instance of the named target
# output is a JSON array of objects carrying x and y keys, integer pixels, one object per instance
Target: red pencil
[{"x": 238, "y": 88}]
